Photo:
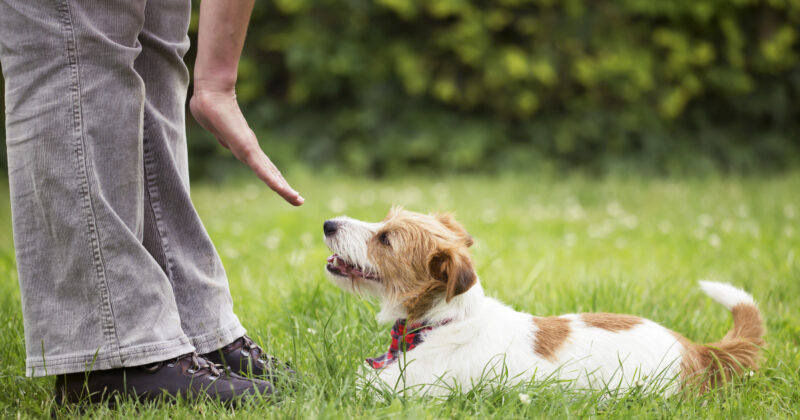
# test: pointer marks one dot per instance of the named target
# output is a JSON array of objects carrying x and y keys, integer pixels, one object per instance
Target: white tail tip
[{"x": 725, "y": 294}]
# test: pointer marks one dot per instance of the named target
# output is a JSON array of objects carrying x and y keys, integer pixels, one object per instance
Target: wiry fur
[{"x": 424, "y": 272}]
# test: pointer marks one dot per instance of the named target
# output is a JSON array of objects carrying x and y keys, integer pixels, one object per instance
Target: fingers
[
  {"x": 269, "y": 173},
  {"x": 223, "y": 118}
]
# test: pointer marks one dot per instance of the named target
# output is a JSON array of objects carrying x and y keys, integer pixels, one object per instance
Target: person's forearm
[{"x": 223, "y": 27}]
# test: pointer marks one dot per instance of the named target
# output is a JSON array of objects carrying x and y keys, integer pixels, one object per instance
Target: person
[{"x": 122, "y": 289}]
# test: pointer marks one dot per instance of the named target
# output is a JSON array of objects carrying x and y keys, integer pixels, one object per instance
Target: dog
[{"x": 448, "y": 335}]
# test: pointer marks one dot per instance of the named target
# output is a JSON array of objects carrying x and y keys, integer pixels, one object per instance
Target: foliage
[
  {"x": 613, "y": 245},
  {"x": 384, "y": 85},
  {"x": 381, "y": 86},
  {"x": 3, "y": 162}
]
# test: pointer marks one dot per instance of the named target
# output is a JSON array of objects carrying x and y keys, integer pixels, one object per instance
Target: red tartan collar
[{"x": 411, "y": 336}]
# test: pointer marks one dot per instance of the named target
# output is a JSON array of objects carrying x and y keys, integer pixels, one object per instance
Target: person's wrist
[{"x": 217, "y": 84}]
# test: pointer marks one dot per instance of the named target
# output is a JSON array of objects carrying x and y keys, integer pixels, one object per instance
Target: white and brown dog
[{"x": 449, "y": 335}]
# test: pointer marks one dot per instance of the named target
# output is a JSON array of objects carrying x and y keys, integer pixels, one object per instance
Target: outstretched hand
[{"x": 219, "y": 113}]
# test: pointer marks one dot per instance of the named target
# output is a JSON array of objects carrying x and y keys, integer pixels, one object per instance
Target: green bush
[
  {"x": 386, "y": 85},
  {"x": 3, "y": 162},
  {"x": 382, "y": 86},
  {"x": 468, "y": 84}
]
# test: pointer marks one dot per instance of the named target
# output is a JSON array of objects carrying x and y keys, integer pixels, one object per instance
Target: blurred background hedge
[{"x": 385, "y": 86}]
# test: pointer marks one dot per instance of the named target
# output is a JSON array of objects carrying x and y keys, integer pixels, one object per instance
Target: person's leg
[
  {"x": 173, "y": 232},
  {"x": 93, "y": 297}
]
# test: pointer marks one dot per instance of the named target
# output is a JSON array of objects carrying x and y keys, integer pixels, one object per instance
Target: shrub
[{"x": 380, "y": 86}]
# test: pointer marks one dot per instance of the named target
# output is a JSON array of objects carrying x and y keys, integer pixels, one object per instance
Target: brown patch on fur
[
  {"x": 551, "y": 333},
  {"x": 611, "y": 322},
  {"x": 427, "y": 259},
  {"x": 713, "y": 364}
]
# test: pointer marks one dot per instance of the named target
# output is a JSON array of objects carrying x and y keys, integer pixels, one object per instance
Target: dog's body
[{"x": 419, "y": 267}]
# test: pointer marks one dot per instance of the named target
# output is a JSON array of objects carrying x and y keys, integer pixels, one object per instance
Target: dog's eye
[{"x": 384, "y": 238}]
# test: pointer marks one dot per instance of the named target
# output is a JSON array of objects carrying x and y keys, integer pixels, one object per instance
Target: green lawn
[{"x": 543, "y": 245}]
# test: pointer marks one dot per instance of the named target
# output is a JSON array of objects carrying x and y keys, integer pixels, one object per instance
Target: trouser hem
[
  {"x": 212, "y": 341},
  {"x": 124, "y": 357}
]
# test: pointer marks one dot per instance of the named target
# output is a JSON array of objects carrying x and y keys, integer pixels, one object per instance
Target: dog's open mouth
[{"x": 340, "y": 267}]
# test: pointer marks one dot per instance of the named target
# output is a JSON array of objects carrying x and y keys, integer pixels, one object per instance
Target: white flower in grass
[
  {"x": 489, "y": 216},
  {"x": 574, "y": 212},
  {"x": 600, "y": 230},
  {"x": 629, "y": 221},
  {"x": 272, "y": 241},
  {"x": 311, "y": 331},
  {"x": 307, "y": 239},
  {"x": 297, "y": 258},
  {"x": 230, "y": 252},
  {"x": 750, "y": 373},
  {"x": 614, "y": 209},
  {"x": 640, "y": 383},
  {"x": 525, "y": 399},
  {"x": 537, "y": 211},
  {"x": 727, "y": 225},
  {"x": 337, "y": 205},
  {"x": 705, "y": 221},
  {"x": 753, "y": 229},
  {"x": 789, "y": 211},
  {"x": 743, "y": 211},
  {"x": 714, "y": 240},
  {"x": 664, "y": 227},
  {"x": 408, "y": 196}
]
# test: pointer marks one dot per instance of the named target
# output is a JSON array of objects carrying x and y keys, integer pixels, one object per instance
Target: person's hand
[
  {"x": 218, "y": 112},
  {"x": 220, "y": 37}
]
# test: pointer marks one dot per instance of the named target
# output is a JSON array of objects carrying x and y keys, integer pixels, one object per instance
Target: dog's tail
[{"x": 714, "y": 363}]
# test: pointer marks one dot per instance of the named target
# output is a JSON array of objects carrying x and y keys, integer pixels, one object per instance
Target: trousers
[{"x": 115, "y": 266}]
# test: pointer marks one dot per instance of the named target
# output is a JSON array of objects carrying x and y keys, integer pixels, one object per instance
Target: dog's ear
[
  {"x": 393, "y": 212},
  {"x": 454, "y": 268},
  {"x": 452, "y": 225}
]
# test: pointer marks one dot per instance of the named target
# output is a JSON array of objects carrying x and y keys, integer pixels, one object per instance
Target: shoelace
[
  {"x": 196, "y": 366},
  {"x": 252, "y": 349}
]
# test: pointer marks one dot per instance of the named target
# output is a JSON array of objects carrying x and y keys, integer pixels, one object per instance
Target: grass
[{"x": 545, "y": 246}]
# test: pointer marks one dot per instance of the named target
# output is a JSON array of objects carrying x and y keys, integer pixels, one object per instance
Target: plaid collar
[{"x": 410, "y": 336}]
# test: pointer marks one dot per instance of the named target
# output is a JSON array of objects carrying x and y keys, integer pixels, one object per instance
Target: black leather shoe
[
  {"x": 245, "y": 357},
  {"x": 189, "y": 376}
]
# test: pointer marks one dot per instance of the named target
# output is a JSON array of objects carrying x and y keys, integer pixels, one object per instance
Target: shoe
[
  {"x": 246, "y": 358},
  {"x": 189, "y": 376}
]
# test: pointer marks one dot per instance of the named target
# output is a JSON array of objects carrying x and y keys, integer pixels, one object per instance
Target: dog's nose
[{"x": 330, "y": 227}]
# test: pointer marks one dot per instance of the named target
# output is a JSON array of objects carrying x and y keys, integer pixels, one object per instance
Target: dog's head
[{"x": 409, "y": 259}]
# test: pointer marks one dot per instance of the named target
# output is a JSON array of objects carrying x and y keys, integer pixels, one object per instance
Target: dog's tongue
[
  {"x": 339, "y": 263},
  {"x": 347, "y": 269}
]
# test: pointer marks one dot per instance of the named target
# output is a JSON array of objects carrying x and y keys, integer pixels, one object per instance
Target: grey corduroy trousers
[{"x": 115, "y": 266}]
